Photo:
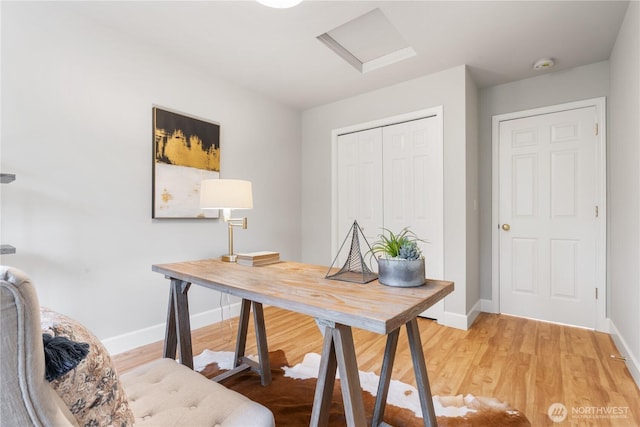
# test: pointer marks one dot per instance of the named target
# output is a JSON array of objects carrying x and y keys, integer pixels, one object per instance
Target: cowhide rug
[{"x": 290, "y": 396}]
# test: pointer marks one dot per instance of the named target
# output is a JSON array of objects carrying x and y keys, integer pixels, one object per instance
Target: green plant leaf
[{"x": 389, "y": 244}]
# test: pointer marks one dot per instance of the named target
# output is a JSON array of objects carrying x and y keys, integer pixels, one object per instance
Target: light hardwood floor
[{"x": 527, "y": 363}]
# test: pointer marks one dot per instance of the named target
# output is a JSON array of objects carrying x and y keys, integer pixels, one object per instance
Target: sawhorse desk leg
[
  {"x": 419, "y": 367},
  {"x": 178, "y": 325},
  {"x": 264, "y": 367},
  {"x": 178, "y": 331},
  {"x": 338, "y": 351}
]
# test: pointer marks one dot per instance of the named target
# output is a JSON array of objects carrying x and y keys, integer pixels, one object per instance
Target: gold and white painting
[{"x": 186, "y": 151}]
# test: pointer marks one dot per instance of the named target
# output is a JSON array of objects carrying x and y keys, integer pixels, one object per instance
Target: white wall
[
  {"x": 586, "y": 82},
  {"x": 447, "y": 88},
  {"x": 624, "y": 190},
  {"x": 473, "y": 216},
  {"x": 76, "y": 129}
]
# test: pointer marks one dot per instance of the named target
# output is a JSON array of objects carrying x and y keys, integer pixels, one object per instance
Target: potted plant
[{"x": 400, "y": 260}]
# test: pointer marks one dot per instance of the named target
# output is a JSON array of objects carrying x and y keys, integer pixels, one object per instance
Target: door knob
[{"x": 506, "y": 227}]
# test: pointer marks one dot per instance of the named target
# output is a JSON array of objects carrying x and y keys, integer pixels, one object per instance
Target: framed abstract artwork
[{"x": 186, "y": 150}]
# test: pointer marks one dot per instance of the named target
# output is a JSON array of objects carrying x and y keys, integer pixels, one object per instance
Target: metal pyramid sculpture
[{"x": 354, "y": 269}]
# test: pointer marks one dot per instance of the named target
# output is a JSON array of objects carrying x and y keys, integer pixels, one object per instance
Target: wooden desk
[{"x": 338, "y": 306}]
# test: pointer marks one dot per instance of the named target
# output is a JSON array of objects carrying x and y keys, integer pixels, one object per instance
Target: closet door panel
[
  {"x": 413, "y": 186},
  {"x": 359, "y": 185}
]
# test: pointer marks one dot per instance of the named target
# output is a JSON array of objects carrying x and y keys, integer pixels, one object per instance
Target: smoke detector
[{"x": 543, "y": 64}]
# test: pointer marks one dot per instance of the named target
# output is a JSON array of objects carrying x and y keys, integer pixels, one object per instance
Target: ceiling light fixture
[
  {"x": 280, "y": 4},
  {"x": 543, "y": 64}
]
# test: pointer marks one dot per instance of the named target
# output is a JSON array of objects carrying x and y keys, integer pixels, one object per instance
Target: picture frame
[{"x": 186, "y": 150}]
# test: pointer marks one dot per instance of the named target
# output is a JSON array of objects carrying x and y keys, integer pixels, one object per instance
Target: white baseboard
[
  {"x": 625, "y": 351},
  {"x": 473, "y": 313},
  {"x": 487, "y": 306},
  {"x": 453, "y": 320},
  {"x": 460, "y": 321},
  {"x": 151, "y": 334}
]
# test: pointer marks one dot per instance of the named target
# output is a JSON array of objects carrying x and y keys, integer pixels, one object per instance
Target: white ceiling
[{"x": 275, "y": 52}]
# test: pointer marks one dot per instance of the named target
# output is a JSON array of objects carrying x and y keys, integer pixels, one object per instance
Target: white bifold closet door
[{"x": 392, "y": 177}]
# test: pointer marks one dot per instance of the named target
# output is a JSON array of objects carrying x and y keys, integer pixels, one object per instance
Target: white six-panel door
[{"x": 548, "y": 216}]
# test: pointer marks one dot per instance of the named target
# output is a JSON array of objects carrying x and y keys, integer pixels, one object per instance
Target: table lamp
[{"x": 227, "y": 194}]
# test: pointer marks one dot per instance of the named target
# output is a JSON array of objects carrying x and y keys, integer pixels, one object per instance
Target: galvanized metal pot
[{"x": 401, "y": 272}]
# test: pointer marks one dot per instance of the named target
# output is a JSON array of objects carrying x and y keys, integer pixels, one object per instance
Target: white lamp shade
[{"x": 225, "y": 194}]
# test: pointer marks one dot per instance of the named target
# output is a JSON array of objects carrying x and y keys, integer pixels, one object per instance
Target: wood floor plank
[{"x": 526, "y": 363}]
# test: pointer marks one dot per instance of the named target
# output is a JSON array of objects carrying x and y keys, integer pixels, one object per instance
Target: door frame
[{"x": 601, "y": 322}]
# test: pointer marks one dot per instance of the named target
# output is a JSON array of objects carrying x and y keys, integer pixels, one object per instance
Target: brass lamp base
[{"x": 233, "y": 222}]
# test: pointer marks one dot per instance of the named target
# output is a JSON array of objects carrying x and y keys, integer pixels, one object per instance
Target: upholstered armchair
[{"x": 161, "y": 393}]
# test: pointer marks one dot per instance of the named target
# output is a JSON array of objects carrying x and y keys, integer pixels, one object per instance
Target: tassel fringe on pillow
[{"x": 62, "y": 355}]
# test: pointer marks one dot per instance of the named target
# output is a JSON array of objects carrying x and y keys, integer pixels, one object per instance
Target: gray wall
[
  {"x": 472, "y": 173},
  {"x": 76, "y": 129},
  {"x": 624, "y": 187},
  {"x": 447, "y": 88},
  {"x": 590, "y": 81}
]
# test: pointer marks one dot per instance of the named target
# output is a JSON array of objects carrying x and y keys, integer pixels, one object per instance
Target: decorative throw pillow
[{"x": 92, "y": 390}]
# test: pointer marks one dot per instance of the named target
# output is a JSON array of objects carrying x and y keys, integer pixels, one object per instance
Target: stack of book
[{"x": 258, "y": 258}]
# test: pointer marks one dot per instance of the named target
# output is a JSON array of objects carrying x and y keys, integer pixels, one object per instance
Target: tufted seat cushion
[{"x": 166, "y": 393}]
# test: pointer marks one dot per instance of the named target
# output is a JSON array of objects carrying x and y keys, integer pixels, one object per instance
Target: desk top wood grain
[{"x": 302, "y": 288}]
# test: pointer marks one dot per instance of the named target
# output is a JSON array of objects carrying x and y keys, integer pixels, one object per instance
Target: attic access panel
[{"x": 368, "y": 42}]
